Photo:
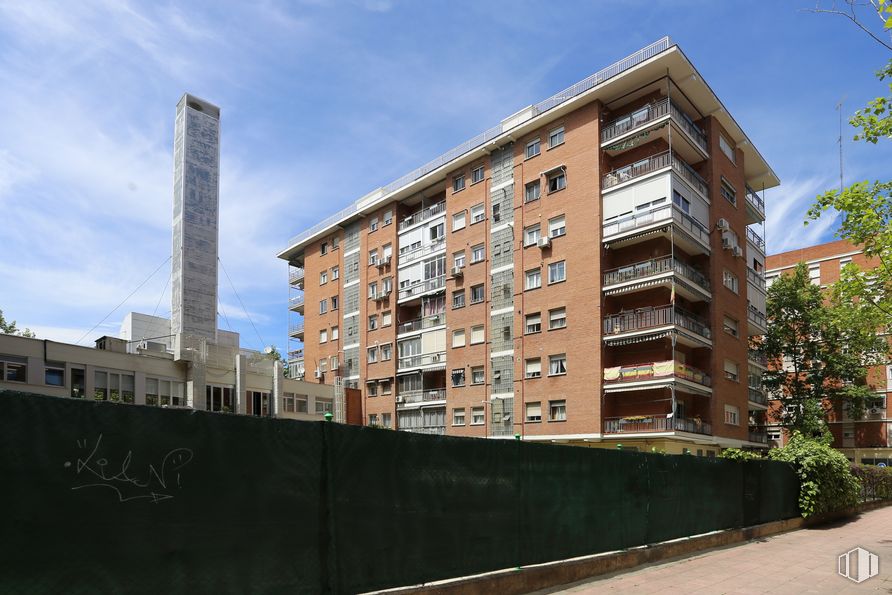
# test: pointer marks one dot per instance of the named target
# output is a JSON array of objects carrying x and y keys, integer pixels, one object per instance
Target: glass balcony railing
[
  {"x": 654, "y": 423},
  {"x": 421, "y": 323},
  {"x": 424, "y": 359},
  {"x": 647, "y": 318},
  {"x": 655, "y": 266},
  {"x": 423, "y": 215},
  {"x": 650, "y": 113},
  {"x": 664, "y": 370},
  {"x": 296, "y": 275},
  {"x": 652, "y": 164},
  {"x": 295, "y": 302},
  {"x": 296, "y": 328},
  {"x": 656, "y": 215}
]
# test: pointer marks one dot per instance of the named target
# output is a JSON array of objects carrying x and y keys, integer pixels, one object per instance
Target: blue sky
[{"x": 323, "y": 102}]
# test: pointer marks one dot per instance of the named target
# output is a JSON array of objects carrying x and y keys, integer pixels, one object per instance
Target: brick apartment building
[
  {"x": 584, "y": 272},
  {"x": 864, "y": 440}
]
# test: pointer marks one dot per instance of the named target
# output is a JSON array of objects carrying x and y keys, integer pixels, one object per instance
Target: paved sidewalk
[{"x": 803, "y": 561}]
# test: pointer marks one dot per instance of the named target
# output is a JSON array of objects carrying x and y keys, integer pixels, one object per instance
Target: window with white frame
[
  {"x": 323, "y": 335},
  {"x": 533, "y": 279},
  {"x": 557, "y": 227},
  {"x": 458, "y": 259},
  {"x": 458, "y": 416},
  {"x": 386, "y": 318},
  {"x": 732, "y": 371},
  {"x": 458, "y": 183},
  {"x": 732, "y": 415},
  {"x": 557, "y": 410},
  {"x": 728, "y": 191},
  {"x": 373, "y": 289},
  {"x": 323, "y": 277},
  {"x": 386, "y": 352},
  {"x": 557, "y": 318},
  {"x": 814, "y": 274},
  {"x": 477, "y": 375},
  {"x": 478, "y": 253},
  {"x": 373, "y": 322},
  {"x": 557, "y": 181},
  {"x": 386, "y": 389},
  {"x": 458, "y": 299},
  {"x": 458, "y": 337},
  {"x": 533, "y": 412},
  {"x": 373, "y": 418},
  {"x": 371, "y": 389},
  {"x": 478, "y": 213},
  {"x": 556, "y": 137},
  {"x": 730, "y": 281},
  {"x": 388, "y": 217},
  {"x": 478, "y": 294},
  {"x": 533, "y": 323},
  {"x": 478, "y": 334},
  {"x": 335, "y": 333},
  {"x": 731, "y": 327},
  {"x": 533, "y": 368},
  {"x": 843, "y": 262},
  {"x": 477, "y": 416},
  {"x": 726, "y": 148},
  {"x": 533, "y": 148},
  {"x": 372, "y": 355},
  {"x": 557, "y": 364},
  {"x": 531, "y": 235},
  {"x": 557, "y": 272},
  {"x": 458, "y": 221},
  {"x": 373, "y": 257},
  {"x": 323, "y": 306},
  {"x": 373, "y": 224},
  {"x": 477, "y": 174},
  {"x": 532, "y": 191},
  {"x": 458, "y": 377},
  {"x": 387, "y": 251},
  {"x": 335, "y": 273}
]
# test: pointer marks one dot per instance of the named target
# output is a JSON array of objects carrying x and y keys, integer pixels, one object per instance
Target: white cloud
[{"x": 786, "y": 209}]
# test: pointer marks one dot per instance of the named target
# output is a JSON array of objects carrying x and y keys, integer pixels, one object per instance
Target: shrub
[
  {"x": 735, "y": 454},
  {"x": 876, "y": 482},
  {"x": 826, "y": 482}
]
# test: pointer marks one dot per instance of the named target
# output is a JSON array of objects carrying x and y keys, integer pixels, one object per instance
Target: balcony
[
  {"x": 644, "y": 319},
  {"x": 651, "y": 373},
  {"x": 758, "y": 434},
  {"x": 423, "y": 215},
  {"x": 296, "y": 330},
  {"x": 414, "y": 398},
  {"x": 422, "y": 287},
  {"x": 654, "y": 423},
  {"x": 627, "y": 228},
  {"x": 296, "y": 276},
  {"x": 296, "y": 355},
  {"x": 435, "y": 430},
  {"x": 757, "y": 359},
  {"x": 653, "y": 164},
  {"x": 421, "y": 323},
  {"x": 413, "y": 254},
  {"x": 651, "y": 116},
  {"x": 757, "y": 397},
  {"x": 755, "y": 239},
  {"x": 757, "y": 279},
  {"x": 758, "y": 324},
  {"x": 627, "y": 278},
  {"x": 296, "y": 304},
  {"x": 755, "y": 207},
  {"x": 437, "y": 360}
]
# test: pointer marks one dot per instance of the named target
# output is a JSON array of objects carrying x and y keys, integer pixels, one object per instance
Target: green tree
[
  {"x": 10, "y": 328},
  {"x": 822, "y": 346}
]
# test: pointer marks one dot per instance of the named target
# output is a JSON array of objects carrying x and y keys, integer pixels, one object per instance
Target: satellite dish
[{"x": 268, "y": 349}]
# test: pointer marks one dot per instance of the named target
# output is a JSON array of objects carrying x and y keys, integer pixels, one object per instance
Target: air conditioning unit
[
  {"x": 727, "y": 244},
  {"x": 457, "y": 271},
  {"x": 383, "y": 262},
  {"x": 738, "y": 251},
  {"x": 318, "y": 373},
  {"x": 544, "y": 242},
  {"x": 399, "y": 399},
  {"x": 723, "y": 224},
  {"x": 435, "y": 357},
  {"x": 876, "y": 411}
]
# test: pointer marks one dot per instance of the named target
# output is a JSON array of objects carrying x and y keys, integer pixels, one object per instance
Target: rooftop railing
[
  {"x": 649, "y": 113},
  {"x": 755, "y": 239},
  {"x": 423, "y": 215},
  {"x": 656, "y": 215},
  {"x": 654, "y": 423},
  {"x": 663, "y": 370},
  {"x": 655, "y": 266},
  {"x": 582, "y": 86},
  {"x": 646, "y": 318},
  {"x": 421, "y": 323}
]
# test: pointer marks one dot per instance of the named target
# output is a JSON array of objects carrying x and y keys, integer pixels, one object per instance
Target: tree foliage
[
  {"x": 10, "y": 328},
  {"x": 822, "y": 344}
]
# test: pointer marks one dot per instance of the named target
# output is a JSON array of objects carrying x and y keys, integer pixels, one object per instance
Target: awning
[
  {"x": 619, "y": 388},
  {"x": 637, "y": 338}
]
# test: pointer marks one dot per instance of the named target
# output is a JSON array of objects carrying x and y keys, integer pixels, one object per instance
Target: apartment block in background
[
  {"x": 867, "y": 440},
  {"x": 584, "y": 272}
]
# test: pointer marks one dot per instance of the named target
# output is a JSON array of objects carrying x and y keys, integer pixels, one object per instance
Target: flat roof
[{"x": 650, "y": 63}]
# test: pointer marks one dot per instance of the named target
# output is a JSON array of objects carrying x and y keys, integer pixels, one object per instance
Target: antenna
[{"x": 839, "y": 140}]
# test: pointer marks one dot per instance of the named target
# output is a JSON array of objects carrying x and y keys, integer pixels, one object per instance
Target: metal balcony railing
[
  {"x": 757, "y": 395},
  {"x": 649, "y": 113},
  {"x": 656, "y": 215},
  {"x": 421, "y": 323},
  {"x": 756, "y": 201},
  {"x": 420, "y": 287},
  {"x": 296, "y": 328},
  {"x": 755, "y": 239},
  {"x": 757, "y": 358},
  {"x": 424, "y": 359},
  {"x": 421, "y": 395},
  {"x": 423, "y": 215},
  {"x": 296, "y": 355},
  {"x": 296, "y": 275},
  {"x": 422, "y": 251},
  {"x": 756, "y": 317},
  {"x": 646, "y": 318},
  {"x": 654, "y": 423},
  {"x": 436, "y": 430},
  {"x": 655, "y": 266},
  {"x": 757, "y": 279},
  {"x": 652, "y": 164},
  {"x": 663, "y": 370},
  {"x": 758, "y": 435}
]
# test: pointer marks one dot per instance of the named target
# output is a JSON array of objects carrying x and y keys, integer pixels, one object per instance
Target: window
[
  {"x": 334, "y": 302},
  {"x": 732, "y": 371},
  {"x": 372, "y": 355},
  {"x": 458, "y": 416},
  {"x": 386, "y": 389},
  {"x": 458, "y": 377},
  {"x": 323, "y": 277},
  {"x": 557, "y": 318},
  {"x": 300, "y": 404},
  {"x": 726, "y": 148},
  {"x": 477, "y": 174},
  {"x": 732, "y": 415},
  {"x": 334, "y": 242},
  {"x": 335, "y": 333},
  {"x": 458, "y": 221},
  {"x": 478, "y": 334},
  {"x": 112, "y": 386},
  {"x": 386, "y": 285},
  {"x": 729, "y": 279},
  {"x": 557, "y": 272},
  {"x": 373, "y": 322},
  {"x": 335, "y": 273},
  {"x": 532, "y": 191},
  {"x": 728, "y": 191},
  {"x": 323, "y": 249},
  {"x": 557, "y": 227},
  {"x": 533, "y": 412},
  {"x": 478, "y": 253},
  {"x": 843, "y": 262},
  {"x": 458, "y": 299},
  {"x": 533, "y": 148},
  {"x": 373, "y": 224},
  {"x": 730, "y": 326},
  {"x": 387, "y": 249},
  {"x": 386, "y": 352},
  {"x": 557, "y": 410},
  {"x": 477, "y": 294},
  {"x": 557, "y": 181},
  {"x": 323, "y": 405},
  {"x": 814, "y": 274},
  {"x": 557, "y": 364},
  {"x": 386, "y": 318},
  {"x": 458, "y": 337},
  {"x": 333, "y": 362},
  {"x": 531, "y": 235},
  {"x": 54, "y": 374},
  {"x": 496, "y": 213},
  {"x": 162, "y": 392},
  {"x": 533, "y": 323},
  {"x": 323, "y": 335},
  {"x": 533, "y": 279},
  {"x": 373, "y": 257},
  {"x": 556, "y": 137},
  {"x": 373, "y": 290},
  {"x": 477, "y": 375},
  {"x": 533, "y": 368},
  {"x": 681, "y": 202},
  {"x": 323, "y": 306},
  {"x": 477, "y": 416},
  {"x": 373, "y": 417},
  {"x": 388, "y": 217},
  {"x": 458, "y": 259},
  {"x": 458, "y": 183},
  {"x": 478, "y": 213}
]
